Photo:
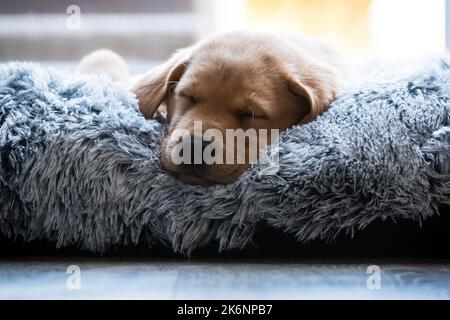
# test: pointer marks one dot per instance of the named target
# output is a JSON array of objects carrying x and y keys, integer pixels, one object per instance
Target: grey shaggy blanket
[{"x": 79, "y": 165}]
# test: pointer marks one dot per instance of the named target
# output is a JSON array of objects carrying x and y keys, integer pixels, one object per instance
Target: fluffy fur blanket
[{"x": 80, "y": 165}]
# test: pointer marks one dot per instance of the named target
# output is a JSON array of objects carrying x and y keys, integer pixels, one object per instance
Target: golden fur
[{"x": 237, "y": 80}]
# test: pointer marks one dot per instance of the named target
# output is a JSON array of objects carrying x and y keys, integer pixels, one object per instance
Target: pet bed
[{"x": 79, "y": 165}]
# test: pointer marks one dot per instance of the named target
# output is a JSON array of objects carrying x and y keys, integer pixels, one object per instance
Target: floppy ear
[
  {"x": 154, "y": 87},
  {"x": 317, "y": 84}
]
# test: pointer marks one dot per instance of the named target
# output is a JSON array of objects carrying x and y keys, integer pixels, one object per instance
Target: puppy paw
[{"x": 105, "y": 61}]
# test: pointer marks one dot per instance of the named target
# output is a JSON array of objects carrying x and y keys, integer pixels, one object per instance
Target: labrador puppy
[{"x": 235, "y": 81}]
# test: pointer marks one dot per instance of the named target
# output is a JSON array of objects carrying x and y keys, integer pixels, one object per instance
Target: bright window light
[
  {"x": 360, "y": 28},
  {"x": 408, "y": 28}
]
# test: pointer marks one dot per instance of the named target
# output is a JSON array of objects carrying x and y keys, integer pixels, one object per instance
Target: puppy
[{"x": 235, "y": 81}]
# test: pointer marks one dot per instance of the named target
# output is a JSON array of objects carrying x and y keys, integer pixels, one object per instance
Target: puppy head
[{"x": 225, "y": 86}]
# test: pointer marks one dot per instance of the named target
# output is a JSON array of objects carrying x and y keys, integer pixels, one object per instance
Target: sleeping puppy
[{"x": 235, "y": 81}]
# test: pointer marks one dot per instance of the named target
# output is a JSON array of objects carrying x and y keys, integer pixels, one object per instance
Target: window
[
  {"x": 138, "y": 29},
  {"x": 149, "y": 30},
  {"x": 361, "y": 28}
]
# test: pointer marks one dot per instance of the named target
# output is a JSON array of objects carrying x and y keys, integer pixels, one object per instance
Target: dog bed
[{"x": 79, "y": 165}]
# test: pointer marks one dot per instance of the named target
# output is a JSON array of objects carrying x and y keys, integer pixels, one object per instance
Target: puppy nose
[{"x": 198, "y": 144}]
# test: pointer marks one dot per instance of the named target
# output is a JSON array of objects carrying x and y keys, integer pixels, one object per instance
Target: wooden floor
[{"x": 46, "y": 278}]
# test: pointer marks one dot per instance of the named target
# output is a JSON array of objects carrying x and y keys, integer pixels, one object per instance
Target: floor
[{"x": 50, "y": 278}]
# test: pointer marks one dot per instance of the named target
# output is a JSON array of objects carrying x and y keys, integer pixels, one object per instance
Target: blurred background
[{"x": 147, "y": 31}]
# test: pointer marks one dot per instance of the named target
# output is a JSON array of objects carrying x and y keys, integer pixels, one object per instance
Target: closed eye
[
  {"x": 192, "y": 99},
  {"x": 251, "y": 115}
]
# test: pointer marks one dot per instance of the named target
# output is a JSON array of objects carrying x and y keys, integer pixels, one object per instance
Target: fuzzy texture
[{"x": 79, "y": 165}]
